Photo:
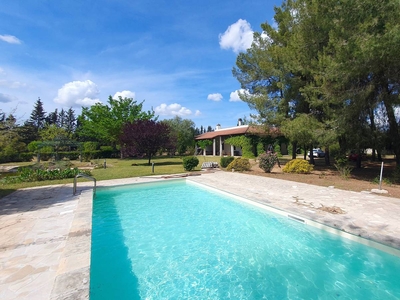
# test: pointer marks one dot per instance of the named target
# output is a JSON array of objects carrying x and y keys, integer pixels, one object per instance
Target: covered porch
[{"x": 219, "y": 146}]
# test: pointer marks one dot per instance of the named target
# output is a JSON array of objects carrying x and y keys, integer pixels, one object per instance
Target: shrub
[
  {"x": 225, "y": 161},
  {"x": 190, "y": 150},
  {"x": 334, "y": 150},
  {"x": 105, "y": 152},
  {"x": 88, "y": 155},
  {"x": 267, "y": 161},
  {"x": 343, "y": 167},
  {"x": 106, "y": 148},
  {"x": 34, "y": 146},
  {"x": 30, "y": 174},
  {"x": 189, "y": 163},
  {"x": 71, "y": 155},
  {"x": 239, "y": 164},
  {"x": 90, "y": 146},
  {"x": 27, "y": 156},
  {"x": 299, "y": 166},
  {"x": 46, "y": 149},
  {"x": 16, "y": 157}
]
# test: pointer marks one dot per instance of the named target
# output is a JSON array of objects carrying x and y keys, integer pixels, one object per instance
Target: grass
[
  {"x": 116, "y": 169},
  {"x": 125, "y": 168}
]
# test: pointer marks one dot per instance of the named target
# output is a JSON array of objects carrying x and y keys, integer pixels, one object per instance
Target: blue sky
[{"x": 177, "y": 56}]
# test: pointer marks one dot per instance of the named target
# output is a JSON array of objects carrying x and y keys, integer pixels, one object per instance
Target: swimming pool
[{"x": 176, "y": 240}]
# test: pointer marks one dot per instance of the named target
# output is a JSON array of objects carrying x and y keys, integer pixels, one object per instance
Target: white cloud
[
  {"x": 214, "y": 97},
  {"x": 78, "y": 93},
  {"x": 237, "y": 37},
  {"x": 174, "y": 109},
  {"x": 234, "y": 96},
  {"x": 124, "y": 94},
  {"x": 4, "y": 98},
  {"x": 266, "y": 37},
  {"x": 10, "y": 39},
  {"x": 197, "y": 113},
  {"x": 12, "y": 84}
]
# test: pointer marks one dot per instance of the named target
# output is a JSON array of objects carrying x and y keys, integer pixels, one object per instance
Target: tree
[
  {"x": 336, "y": 61},
  {"x": 273, "y": 73},
  {"x": 38, "y": 116},
  {"x": 28, "y": 132},
  {"x": 53, "y": 118},
  {"x": 104, "y": 122},
  {"x": 304, "y": 130},
  {"x": 182, "y": 131},
  {"x": 10, "y": 140},
  {"x": 145, "y": 137},
  {"x": 69, "y": 122},
  {"x": 62, "y": 118},
  {"x": 362, "y": 68},
  {"x": 52, "y": 132}
]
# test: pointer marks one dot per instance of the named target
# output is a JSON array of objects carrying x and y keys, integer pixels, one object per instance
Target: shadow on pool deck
[
  {"x": 25, "y": 200},
  {"x": 31, "y": 199}
]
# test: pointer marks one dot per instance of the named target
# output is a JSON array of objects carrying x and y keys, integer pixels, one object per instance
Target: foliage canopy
[
  {"x": 333, "y": 62},
  {"x": 145, "y": 137}
]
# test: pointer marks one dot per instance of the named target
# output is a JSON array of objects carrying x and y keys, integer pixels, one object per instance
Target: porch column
[
  {"x": 214, "y": 146},
  {"x": 232, "y": 150},
  {"x": 220, "y": 146}
]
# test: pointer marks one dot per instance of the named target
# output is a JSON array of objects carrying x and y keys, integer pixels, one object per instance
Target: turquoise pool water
[{"x": 176, "y": 240}]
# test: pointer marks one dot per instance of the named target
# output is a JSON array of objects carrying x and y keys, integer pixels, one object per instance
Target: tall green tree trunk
[
  {"x": 327, "y": 157},
  {"x": 294, "y": 150},
  {"x": 393, "y": 130},
  {"x": 312, "y": 160}
]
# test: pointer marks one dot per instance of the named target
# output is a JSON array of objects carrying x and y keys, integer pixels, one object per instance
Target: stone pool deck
[{"x": 45, "y": 232}]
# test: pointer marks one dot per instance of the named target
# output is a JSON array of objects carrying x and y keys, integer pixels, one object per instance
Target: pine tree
[
  {"x": 62, "y": 118},
  {"x": 38, "y": 116},
  {"x": 70, "y": 121},
  {"x": 52, "y": 118}
]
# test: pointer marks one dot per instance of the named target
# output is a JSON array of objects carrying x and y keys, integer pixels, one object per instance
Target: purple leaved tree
[{"x": 145, "y": 137}]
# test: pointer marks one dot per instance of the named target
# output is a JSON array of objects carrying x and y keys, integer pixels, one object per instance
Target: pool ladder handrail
[{"x": 86, "y": 176}]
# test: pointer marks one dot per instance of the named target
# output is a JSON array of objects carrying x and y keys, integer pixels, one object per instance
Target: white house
[{"x": 218, "y": 137}]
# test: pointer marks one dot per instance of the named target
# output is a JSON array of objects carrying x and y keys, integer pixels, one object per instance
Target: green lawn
[{"x": 116, "y": 168}]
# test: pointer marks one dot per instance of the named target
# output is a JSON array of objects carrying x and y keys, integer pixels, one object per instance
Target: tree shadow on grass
[{"x": 369, "y": 171}]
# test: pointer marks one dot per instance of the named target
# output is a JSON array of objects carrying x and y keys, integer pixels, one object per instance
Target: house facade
[{"x": 219, "y": 147}]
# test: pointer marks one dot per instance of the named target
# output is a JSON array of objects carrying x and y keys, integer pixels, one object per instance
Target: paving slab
[{"x": 45, "y": 232}]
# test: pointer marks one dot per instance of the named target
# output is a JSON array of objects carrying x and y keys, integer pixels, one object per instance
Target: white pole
[{"x": 380, "y": 178}]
